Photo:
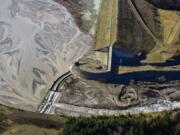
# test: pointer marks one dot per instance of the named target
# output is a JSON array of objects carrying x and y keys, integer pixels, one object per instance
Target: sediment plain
[{"x": 39, "y": 40}]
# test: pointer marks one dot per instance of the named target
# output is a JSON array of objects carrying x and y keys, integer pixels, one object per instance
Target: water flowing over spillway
[{"x": 38, "y": 41}]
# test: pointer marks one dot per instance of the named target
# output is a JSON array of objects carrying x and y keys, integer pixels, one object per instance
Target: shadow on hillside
[
  {"x": 131, "y": 34},
  {"x": 138, "y": 76},
  {"x": 135, "y": 76},
  {"x": 166, "y": 4},
  {"x": 145, "y": 76},
  {"x": 123, "y": 58}
]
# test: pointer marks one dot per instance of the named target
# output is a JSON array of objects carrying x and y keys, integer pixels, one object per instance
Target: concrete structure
[
  {"x": 122, "y": 38},
  {"x": 107, "y": 37},
  {"x": 106, "y": 31}
]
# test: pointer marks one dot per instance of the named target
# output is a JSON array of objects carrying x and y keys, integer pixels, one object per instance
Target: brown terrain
[
  {"x": 153, "y": 32},
  {"x": 132, "y": 36},
  {"x": 18, "y": 122},
  {"x": 74, "y": 8},
  {"x": 82, "y": 11},
  {"x": 93, "y": 94}
]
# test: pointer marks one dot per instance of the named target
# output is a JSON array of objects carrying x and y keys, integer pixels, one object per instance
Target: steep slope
[
  {"x": 146, "y": 83},
  {"x": 149, "y": 29},
  {"x": 18, "y": 122},
  {"x": 164, "y": 24},
  {"x": 39, "y": 39},
  {"x": 84, "y": 11},
  {"x": 166, "y": 4}
]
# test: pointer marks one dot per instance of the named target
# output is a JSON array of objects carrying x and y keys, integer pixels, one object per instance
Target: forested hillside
[{"x": 18, "y": 122}]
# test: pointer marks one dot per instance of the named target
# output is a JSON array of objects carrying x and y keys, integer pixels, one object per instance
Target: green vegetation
[
  {"x": 17, "y": 122},
  {"x": 126, "y": 69},
  {"x": 171, "y": 26},
  {"x": 167, "y": 123},
  {"x": 107, "y": 24}
]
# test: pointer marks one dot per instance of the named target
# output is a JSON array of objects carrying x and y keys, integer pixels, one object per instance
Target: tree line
[{"x": 166, "y": 123}]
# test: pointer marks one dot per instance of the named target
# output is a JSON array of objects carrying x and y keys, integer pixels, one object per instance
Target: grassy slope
[
  {"x": 165, "y": 25},
  {"x": 131, "y": 34},
  {"x": 106, "y": 33},
  {"x": 126, "y": 69},
  {"x": 17, "y": 122},
  {"x": 170, "y": 21},
  {"x": 107, "y": 25}
]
